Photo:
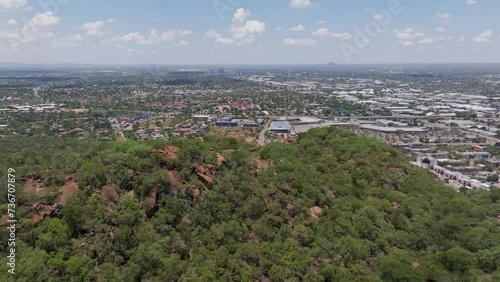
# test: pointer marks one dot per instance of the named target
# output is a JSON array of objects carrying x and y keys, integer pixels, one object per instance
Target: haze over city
[{"x": 249, "y": 32}]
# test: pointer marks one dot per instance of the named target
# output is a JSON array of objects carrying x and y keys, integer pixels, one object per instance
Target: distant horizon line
[{"x": 236, "y": 64}]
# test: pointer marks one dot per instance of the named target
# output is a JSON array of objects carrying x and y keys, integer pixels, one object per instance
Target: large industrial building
[{"x": 280, "y": 126}]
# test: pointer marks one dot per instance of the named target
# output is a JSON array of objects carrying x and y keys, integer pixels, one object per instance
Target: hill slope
[{"x": 333, "y": 207}]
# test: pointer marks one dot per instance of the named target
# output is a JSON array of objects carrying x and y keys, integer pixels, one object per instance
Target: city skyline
[{"x": 248, "y": 32}]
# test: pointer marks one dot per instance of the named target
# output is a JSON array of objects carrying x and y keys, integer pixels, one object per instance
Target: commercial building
[{"x": 280, "y": 126}]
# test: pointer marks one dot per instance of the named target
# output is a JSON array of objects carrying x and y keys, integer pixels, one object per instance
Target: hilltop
[{"x": 329, "y": 206}]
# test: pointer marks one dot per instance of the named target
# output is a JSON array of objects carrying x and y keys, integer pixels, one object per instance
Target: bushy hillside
[{"x": 330, "y": 207}]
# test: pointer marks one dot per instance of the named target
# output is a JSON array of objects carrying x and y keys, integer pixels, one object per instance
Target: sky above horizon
[{"x": 249, "y": 31}]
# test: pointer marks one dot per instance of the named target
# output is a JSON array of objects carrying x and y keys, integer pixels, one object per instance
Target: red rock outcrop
[
  {"x": 109, "y": 193},
  {"x": 205, "y": 172},
  {"x": 66, "y": 191},
  {"x": 39, "y": 211},
  {"x": 316, "y": 211},
  {"x": 220, "y": 160},
  {"x": 170, "y": 151}
]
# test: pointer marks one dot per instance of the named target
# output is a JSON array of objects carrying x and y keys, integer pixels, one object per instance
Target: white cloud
[
  {"x": 406, "y": 43},
  {"x": 152, "y": 37},
  {"x": 484, "y": 37},
  {"x": 486, "y": 33},
  {"x": 320, "y": 22},
  {"x": 12, "y": 22},
  {"x": 479, "y": 39},
  {"x": 299, "y": 41},
  {"x": 444, "y": 16},
  {"x": 224, "y": 41},
  {"x": 300, "y": 4},
  {"x": 182, "y": 43},
  {"x": 132, "y": 51},
  {"x": 66, "y": 42},
  {"x": 96, "y": 28},
  {"x": 38, "y": 27},
  {"x": 7, "y": 34},
  {"x": 11, "y": 4},
  {"x": 461, "y": 39},
  {"x": 440, "y": 29},
  {"x": 408, "y": 33},
  {"x": 379, "y": 17},
  {"x": 428, "y": 40},
  {"x": 184, "y": 32},
  {"x": 243, "y": 31},
  {"x": 343, "y": 36},
  {"x": 298, "y": 28},
  {"x": 213, "y": 34},
  {"x": 93, "y": 28},
  {"x": 324, "y": 32},
  {"x": 471, "y": 2}
]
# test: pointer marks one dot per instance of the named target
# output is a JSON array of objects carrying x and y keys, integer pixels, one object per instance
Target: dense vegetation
[{"x": 333, "y": 207}]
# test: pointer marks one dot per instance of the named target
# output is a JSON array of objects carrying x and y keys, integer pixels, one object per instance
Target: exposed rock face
[
  {"x": 66, "y": 191},
  {"x": 109, "y": 193},
  {"x": 261, "y": 164},
  {"x": 170, "y": 152},
  {"x": 34, "y": 183},
  {"x": 38, "y": 212},
  {"x": 220, "y": 160},
  {"x": 316, "y": 211},
  {"x": 175, "y": 178},
  {"x": 205, "y": 172}
]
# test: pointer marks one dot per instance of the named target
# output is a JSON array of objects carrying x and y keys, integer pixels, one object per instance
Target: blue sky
[{"x": 249, "y": 31}]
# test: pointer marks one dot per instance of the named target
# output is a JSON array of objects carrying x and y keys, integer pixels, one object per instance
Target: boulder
[
  {"x": 220, "y": 160},
  {"x": 316, "y": 211},
  {"x": 109, "y": 193},
  {"x": 39, "y": 211}
]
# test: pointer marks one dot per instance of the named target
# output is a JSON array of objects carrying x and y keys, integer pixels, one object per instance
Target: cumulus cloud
[
  {"x": 408, "y": 33},
  {"x": 406, "y": 43},
  {"x": 298, "y": 28},
  {"x": 7, "y": 34},
  {"x": 12, "y": 22},
  {"x": 428, "y": 40},
  {"x": 11, "y": 4},
  {"x": 440, "y": 29},
  {"x": 300, "y": 4},
  {"x": 484, "y": 37},
  {"x": 444, "y": 16},
  {"x": 66, "y": 42},
  {"x": 324, "y": 32},
  {"x": 379, "y": 17},
  {"x": 243, "y": 31},
  {"x": 38, "y": 27},
  {"x": 153, "y": 36},
  {"x": 299, "y": 41},
  {"x": 95, "y": 28},
  {"x": 471, "y": 2},
  {"x": 182, "y": 43}
]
